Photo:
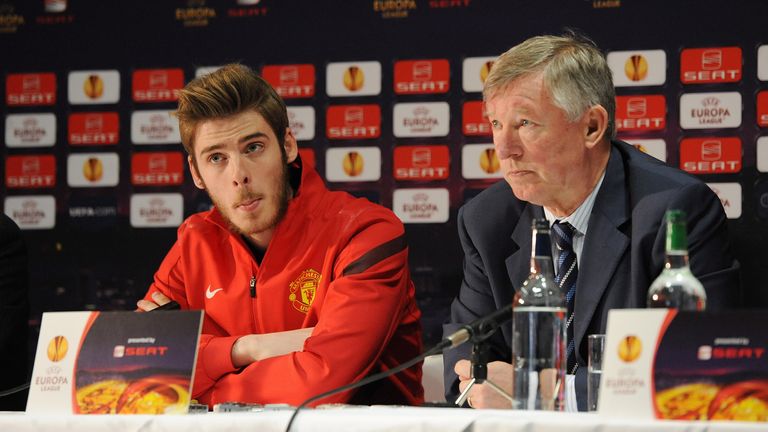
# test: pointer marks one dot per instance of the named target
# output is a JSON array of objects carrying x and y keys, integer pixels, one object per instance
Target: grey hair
[{"x": 574, "y": 71}]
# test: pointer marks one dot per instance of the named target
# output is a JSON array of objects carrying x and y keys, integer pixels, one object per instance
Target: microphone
[{"x": 478, "y": 330}]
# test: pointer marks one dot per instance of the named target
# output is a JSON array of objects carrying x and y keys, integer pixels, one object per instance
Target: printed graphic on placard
[
  {"x": 353, "y": 164},
  {"x": 32, "y": 212},
  {"x": 725, "y": 372},
  {"x": 479, "y": 161},
  {"x": 157, "y": 210},
  {"x": 30, "y": 171},
  {"x": 762, "y": 63},
  {"x": 157, "y": 168},
  {"x": 762, "y": 154},
  {"x": 641, "y": 113},
  {"x": 157, "y": 85},
  {"x": 654, "y": 147},
  {"x": 711, "y": 155},
  {"x": 115, "y": 362},
  {"x": 473, "y": 119},
  {"x": 93, "y": 128},
  {"x": 474, "y": 71},
  {"x": 353, "y": 121},
  {"x": 154, "y": 127},
  {"x": 638, "y": 68},
  {"x": 710, "y": 65},
  {"x": 93, "y": 169},
  {"x": 730, "y": 198},
  {"x": 421, "y": 163},
  {"x": 301, "y": 120},
  {"x": 93, "y": 87},
  {"x": 710, "y": 110},
  {"x": 30, "y": 89},
  {"x": 353, "y": 78},
  {"x": 762, "y": 109},
  {"x": 421, "y": 205},
  {"x": 130, "y": 365},
  {"x": 422, "y": 76},
  {"x": 291, "y": 81},
  {"x": 421, "y": 119},
  {"x": 30, "y": 130}
]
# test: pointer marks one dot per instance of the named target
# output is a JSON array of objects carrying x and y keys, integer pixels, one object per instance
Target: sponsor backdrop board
[{"x": 385, "y": 99}]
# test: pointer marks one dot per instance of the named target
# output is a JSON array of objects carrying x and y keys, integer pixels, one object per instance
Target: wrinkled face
[
  {"x": 239, "y": 163},
  {"x": 542, "y": 153}
]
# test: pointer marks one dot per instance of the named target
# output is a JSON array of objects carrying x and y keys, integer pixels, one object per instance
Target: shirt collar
[{"x": 579, "y": 219}]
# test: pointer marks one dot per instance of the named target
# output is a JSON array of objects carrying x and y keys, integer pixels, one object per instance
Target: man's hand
[
  {"x": 482, "y": 395},
  {"x": 158, "y": 299},
  {"x": 254, "y": 347}
]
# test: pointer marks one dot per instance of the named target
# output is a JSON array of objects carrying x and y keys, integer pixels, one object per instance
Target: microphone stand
[{"x": 480, "y": 370}]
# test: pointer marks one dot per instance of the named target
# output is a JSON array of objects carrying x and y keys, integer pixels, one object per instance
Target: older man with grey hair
[{"x": 551, "y": 104}]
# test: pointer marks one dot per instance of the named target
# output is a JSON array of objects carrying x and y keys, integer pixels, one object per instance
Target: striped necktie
[{"x": 567, "y": 272}]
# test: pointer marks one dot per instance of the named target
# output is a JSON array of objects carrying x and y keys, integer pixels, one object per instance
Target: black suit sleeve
[
  {"x": 475, "y": 300},
  {"x": 709, "y": 250},
  {"x": 14, "y": 313}
]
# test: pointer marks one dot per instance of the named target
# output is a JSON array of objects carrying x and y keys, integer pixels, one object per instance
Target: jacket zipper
[{"x": 252, "y": 284}]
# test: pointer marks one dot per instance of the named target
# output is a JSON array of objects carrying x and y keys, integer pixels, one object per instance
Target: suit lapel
[{"x": 604, "y": 244}]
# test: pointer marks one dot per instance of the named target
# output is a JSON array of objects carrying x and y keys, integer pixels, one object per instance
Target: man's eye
[
  {"x": 215, "y": 158},
  {"x": 252, "y": 147},
  {"x": 495, "y": 124},
  {"x": 525, "y": 122}
]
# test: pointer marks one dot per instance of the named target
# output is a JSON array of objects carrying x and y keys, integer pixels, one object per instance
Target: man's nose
[
  {"x": 507, "y": 143},
  {"x": 240, "y": 176}
]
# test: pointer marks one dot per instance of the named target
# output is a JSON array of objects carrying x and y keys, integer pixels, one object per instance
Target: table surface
[{"x": 362, "y": 418}]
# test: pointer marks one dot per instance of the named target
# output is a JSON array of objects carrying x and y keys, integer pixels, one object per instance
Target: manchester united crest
[{"x": 303, "y": 290}]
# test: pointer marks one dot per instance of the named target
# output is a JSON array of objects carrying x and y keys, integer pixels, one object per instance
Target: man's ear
[
  {"x": 195, "y": 174},
  {"x": 596, "y": 125},
  {"x": 291, "y": 147}
]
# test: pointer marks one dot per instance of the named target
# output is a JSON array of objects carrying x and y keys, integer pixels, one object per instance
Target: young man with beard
[{"x": 303, "y": 289}]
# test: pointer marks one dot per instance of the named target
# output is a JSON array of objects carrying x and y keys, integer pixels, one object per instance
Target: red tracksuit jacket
[{"x": 335, "y": 262}]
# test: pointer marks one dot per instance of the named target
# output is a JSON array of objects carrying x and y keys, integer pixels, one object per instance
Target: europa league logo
[
  {"x": 636, "y": 67},
  {"x": 488, "y": 161},
  {"x": 485, "y": 70},
  {"x": 630, "y": 348},
  {"x": 93, "y": 169},
  {"x": 353, "y": 164},
  {"x": 354, "y": 78},
  {"x": 93, "y": 86},
  {"x": 57, "y": 348}
]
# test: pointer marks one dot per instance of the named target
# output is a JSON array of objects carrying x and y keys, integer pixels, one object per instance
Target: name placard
[
  {"x": 115, "y": 362},
  {"x": 666, "y": 364}
]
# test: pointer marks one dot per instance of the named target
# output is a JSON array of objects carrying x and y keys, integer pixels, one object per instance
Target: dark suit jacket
[
  {"x": 14, "y": 313},
  {"x": 623, "y": 251}
]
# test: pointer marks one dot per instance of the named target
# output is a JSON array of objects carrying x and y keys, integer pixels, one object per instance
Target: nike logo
[{"x": 209, "y": 294}]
